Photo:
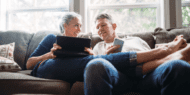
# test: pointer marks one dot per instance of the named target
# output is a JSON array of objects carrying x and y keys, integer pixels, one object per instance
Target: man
[
  {"x": 103, "y": 78},
  {"x": 106, "y": 30}
]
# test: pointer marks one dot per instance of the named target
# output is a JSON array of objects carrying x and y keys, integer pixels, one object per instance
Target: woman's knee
[{"x": 178, "y": 64}]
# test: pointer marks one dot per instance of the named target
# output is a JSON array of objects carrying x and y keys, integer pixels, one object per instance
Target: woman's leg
[
  {"x": 72, "y": 69},
  {"x": 102, "y": 78}
]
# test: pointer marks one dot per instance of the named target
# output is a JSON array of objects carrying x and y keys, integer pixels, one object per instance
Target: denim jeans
[
  {"x": 102, "y": 78},
  {"x": 170, "y": 78},
  {"x": 72, "y": 69}
]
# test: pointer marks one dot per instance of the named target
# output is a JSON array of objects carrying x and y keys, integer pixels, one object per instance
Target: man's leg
[
  {"x": 170, "y": 78},
  {"x": 102, "y": 78}
]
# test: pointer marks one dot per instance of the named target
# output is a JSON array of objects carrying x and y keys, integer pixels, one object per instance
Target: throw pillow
[
  {"x": 8, "y": 65},
  {"x": 163, "y": 36},
  {"x": 7, "y": 50},
  {"x": 7, "y": 62}
]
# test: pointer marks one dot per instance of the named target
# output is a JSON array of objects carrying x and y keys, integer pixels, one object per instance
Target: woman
[{"x": 46, "y": 65}]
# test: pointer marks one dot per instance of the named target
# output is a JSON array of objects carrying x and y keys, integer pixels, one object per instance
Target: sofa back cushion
[
  {"x": 164, "y": 36},
  {"x": 21, "y": 39},
  {"x": 146, "y": 36}
]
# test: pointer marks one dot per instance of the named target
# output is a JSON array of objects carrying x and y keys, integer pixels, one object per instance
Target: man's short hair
[{"x": 104, "y": 15}]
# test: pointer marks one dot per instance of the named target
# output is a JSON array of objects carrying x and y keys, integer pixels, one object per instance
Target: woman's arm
[{"x": 34, "y": 60}]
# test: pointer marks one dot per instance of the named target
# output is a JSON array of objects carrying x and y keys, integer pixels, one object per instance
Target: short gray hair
[
  {"x": 67, "y": 18},
  {"x": 104, "y": 15}
]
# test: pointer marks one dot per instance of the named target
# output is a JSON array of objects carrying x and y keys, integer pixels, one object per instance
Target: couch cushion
[
  {"x": 95, "y": 40},
  {"x": 37, "y": 38},
  {"x": 13, "y": 83},
  {"x": 21, "y": 40},
  {"x": 26, "y": 72},
  {"x": 146, "y": 36},
  {"x": 164, "y": 36}
]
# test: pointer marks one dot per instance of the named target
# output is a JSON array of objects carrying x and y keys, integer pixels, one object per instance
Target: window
[
  {"x": 185, "y": 13},
  {"x": 129, "y": 15},
  {"x": 34, "y": 15}
]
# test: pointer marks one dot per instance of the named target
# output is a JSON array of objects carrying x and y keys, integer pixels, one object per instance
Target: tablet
[{"x": 72, "y": 46}]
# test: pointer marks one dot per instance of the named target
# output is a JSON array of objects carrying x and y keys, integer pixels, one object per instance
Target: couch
[{"x": 21, "y": 82}]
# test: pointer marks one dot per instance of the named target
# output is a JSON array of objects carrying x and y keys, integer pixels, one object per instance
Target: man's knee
[
  {"x": 96, "y": 62},
  {"x": 99, "y": 67},
  {"x": 96, "y": 65}
]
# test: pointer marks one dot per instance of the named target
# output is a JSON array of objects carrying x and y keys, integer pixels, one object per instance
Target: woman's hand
[
  {"x": 50, "y": 54},
  {"x": 112, "y": 49},
  {"x": 89, "y": 50}
]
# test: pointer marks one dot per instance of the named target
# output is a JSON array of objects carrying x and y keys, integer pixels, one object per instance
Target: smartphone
[{"x": 118, "y": 42}]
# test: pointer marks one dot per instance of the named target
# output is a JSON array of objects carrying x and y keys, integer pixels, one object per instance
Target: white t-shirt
[{"x": 130, "y": 44}]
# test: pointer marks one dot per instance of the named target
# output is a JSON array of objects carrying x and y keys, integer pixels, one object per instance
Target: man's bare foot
[
  {"x": 180, "y": 37},
  {"x": 177, "y": 44},
  {"x": 183, "y": 54},
  {"x": 186, "y": 53}
]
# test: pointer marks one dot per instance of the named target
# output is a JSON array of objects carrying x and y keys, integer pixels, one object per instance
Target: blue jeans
[
  {"x": 72, "y": 69},
  {"x": 102, "y": 78},
  {"x": 171, "y": 78}
]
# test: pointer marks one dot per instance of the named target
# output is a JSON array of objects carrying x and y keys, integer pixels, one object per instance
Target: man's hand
[
  {"x": 112, "y": 49},
  {"x": 89, "y": 50}
]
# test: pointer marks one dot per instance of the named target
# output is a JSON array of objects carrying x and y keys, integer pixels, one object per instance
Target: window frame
[
  {"x": 184, "y": 4},
  {"x": 163, "y": 13},
  {"x": 5, "y": 13},
  {"x": 114, "y": 6}
]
